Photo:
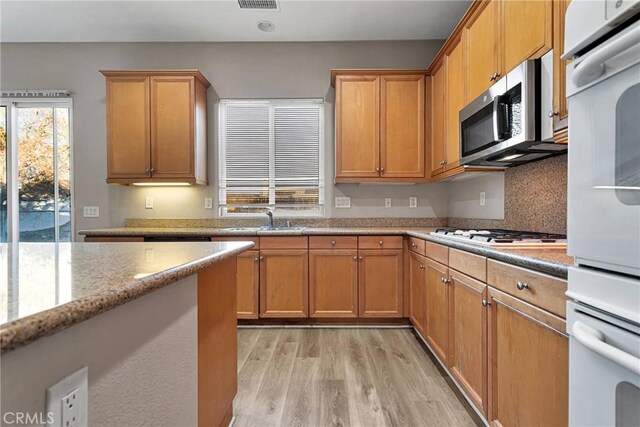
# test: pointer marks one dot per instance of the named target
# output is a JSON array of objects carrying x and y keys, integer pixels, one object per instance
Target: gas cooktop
[{"x": 504, "y": 238}]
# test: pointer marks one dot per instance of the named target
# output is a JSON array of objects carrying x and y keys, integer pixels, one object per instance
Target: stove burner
[{"x": 502, "y": 236}]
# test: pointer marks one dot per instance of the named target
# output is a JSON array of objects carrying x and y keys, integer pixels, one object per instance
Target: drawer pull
[
  {"x": 333, "y": 243},
  {"x": 522, "y": 285},
  {"x": 413, "y": 245},
  {"x": 380, "y": 242},
  {"x": 421, "y": 267}
]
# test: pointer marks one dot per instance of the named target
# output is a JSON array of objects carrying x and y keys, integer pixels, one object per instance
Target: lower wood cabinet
[
  {"x": 333, "y": 283},
  {"x": 284, "y": 283},
  {"x": 468, "y": 319},
  {"x": 248, "y": 279},
  {"x": 528, "y": 364},
  {"x": 380, "y": 283},
  {"x": 437, "y": 309},
  {"x": 417, "y": 283}
]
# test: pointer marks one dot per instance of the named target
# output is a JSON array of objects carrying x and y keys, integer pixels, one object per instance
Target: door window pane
[
  {"x": 3, "y": 174},
  {"x": 64, "y": 174}
]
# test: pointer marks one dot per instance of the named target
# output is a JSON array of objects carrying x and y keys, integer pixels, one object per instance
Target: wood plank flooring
[{"x": 341, "y": 377}]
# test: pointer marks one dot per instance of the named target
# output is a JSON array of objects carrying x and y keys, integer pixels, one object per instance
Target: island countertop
[{"x": 49, "y": 287}]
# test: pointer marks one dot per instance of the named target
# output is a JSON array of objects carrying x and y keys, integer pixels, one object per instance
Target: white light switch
[
  {"x": 208, "y": 203},
  {"x": 387, "y": 202},
  {"x": 482, "y": 199},
  {"x": 413, "y": 202},
  {"x": 343, "y": 202},
  {"x": 91, "y": 211},
  {"x": 148, "y": 202}
]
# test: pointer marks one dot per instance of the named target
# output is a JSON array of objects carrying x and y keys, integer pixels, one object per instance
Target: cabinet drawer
[
  {"x": 469, "y": 264},
  {"x": 417, "y": 245},
  {"x": 380, "y": 242},
  {"x": 255, "y": 240},
  {"x": 288, "y": 242},
  {"x": 333, "y": 242},
  {"x": 538, "y": 289},
  {"x": 437, "y": 252}
]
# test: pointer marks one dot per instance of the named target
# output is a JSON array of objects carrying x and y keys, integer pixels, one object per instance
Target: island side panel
[
  {"x": 217, "y": 343},
  {"x": 142, "y": 362}
]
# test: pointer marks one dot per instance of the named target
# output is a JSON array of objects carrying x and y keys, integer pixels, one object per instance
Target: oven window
[
  {"x": 477, "y": 131},
  {"x": 628, "y": 147},
  {"x": 627, "y": 398}
]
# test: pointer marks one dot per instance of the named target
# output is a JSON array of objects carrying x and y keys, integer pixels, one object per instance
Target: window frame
[
  {"x": 221, "y": 152},
  {"x": 13, "y": 202}
]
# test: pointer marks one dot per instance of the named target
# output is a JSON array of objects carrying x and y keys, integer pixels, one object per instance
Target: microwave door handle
[
  {"x": 496, "y": 119},
  {"x": 593, "y": 339},
  {"x": 593, "y": 67}
]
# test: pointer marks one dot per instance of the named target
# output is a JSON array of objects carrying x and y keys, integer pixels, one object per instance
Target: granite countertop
[
  {"x": 50, "y": 287},
  {"x": 551, "y": 261}
]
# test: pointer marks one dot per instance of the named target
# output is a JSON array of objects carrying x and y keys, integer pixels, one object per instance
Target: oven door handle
[
  {"x": 593, "y": 67},
  {"x": 593, "y": 339}
]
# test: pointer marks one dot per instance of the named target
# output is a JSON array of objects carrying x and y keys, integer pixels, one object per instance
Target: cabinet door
[
  {"x": 528, "y": 364},
  {"x": 417, "y": 269},
  {"x": 527, "y": 29},
  {"x": 380, "y": 283},
  {"x": 128, "y": 128},
  {"x": 455, "y": 100},
  {"x": 437, "y": 308},
  {"x": 333, "y": 283},
  {"x": 284, "y": 283},
  {"x": 468, "y": 361},
  {"x": 560, "y": 111},
  {"x": 172, "y": 126},
  {"x": 438, "y": 123},
  {"x": 402, "y": 127},
  {"x": 357, "y": 126},
  {"x": 247, "y": 278},
  {"x": 482, "y": 45}
]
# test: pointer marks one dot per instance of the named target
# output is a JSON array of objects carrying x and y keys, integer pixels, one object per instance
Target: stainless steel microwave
[{"x": 512, "y": 122}]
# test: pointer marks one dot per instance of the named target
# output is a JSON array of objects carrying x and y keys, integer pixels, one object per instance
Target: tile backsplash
[{"x": 535, "y": 196}]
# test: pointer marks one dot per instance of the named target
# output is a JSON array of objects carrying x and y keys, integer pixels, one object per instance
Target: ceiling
[{"x": 223, "y": 20}]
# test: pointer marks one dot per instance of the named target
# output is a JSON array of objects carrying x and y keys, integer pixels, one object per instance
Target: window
[
  {"x": 271, "y": 156},
  {"x": 35, "y": 170}
]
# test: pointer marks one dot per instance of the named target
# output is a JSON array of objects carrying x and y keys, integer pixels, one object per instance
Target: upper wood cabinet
[
  {"x": 156, "y": 126},
  {"x": 560, "y": 110},
  {"x": 438, "y": 119},
  {"x": 483, "y": 46},
  {"x": 333, "y": 282},
  {"x": 528, "y": 368},
  {"x": 455, "y": 101},
  {"x": 380, "y": 133}
]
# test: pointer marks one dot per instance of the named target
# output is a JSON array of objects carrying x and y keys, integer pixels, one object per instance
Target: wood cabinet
[
  {"x": 437, "y": 309},
  {"x": 247, "y": 281},
  {"x": 482, "y": 47},
  {"x": 468, "y": 359},
  {"x": 417, "y": 294},
  {"x": 528, "y": 364},
  {"x": 284, "y": 283},
  {"x": 455, "y": 101},
  {"x": 438, "y": 119},
  {"x": 156, "y": 126},
  {"x": 527, "y": 30},
  {"x": 380, "y": 283},
  {"x": 560, "y": 110},
  {"x": 333, "y": 282},
  {"x": 379, "y": 125}
]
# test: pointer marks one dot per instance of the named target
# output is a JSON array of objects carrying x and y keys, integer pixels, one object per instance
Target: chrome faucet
[{"x": 269, "y": 217}]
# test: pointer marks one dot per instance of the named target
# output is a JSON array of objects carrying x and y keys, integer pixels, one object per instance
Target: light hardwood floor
[{"x": 341, "y": 377}]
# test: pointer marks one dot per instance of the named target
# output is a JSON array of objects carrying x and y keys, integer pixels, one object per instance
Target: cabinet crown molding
[{"x": 159, "y": 72}]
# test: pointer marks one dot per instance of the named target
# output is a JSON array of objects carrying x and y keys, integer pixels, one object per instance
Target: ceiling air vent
[{"x": 259, "y": 4}]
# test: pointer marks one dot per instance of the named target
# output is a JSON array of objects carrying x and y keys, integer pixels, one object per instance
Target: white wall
[
  {"x": 236, "y": 70},
  {"x": 464, "y": 197},
  {"x": 141, "y": 357}
]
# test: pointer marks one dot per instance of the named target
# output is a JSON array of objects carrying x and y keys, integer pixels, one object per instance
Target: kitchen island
[{"x": 154, "y": 323}]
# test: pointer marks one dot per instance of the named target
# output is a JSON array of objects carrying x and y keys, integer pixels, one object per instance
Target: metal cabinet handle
[
  {"x": 382, "y": 170},
  {"x": 333, "y": 243},
  {"x": 261, "y": 258},
  {"x": 485, "y": 303},
  {"x": 377, "y": 169},
  {"x": 380, "y": 242},
  {"x": 413, "y": 245},
  {"x": 360, "y": 258},
  {"x": 421, "y": 267},
  {"x": 522, "y": 285},
  {"x": 256, "y": 259},
  {"x": 152, "y": 170},
  {"x": 355, "y": 257},
  {"x": 553, "y": 113}
]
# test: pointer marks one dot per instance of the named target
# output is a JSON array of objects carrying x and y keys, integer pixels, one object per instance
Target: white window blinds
[{"x": 271, "y": 155}]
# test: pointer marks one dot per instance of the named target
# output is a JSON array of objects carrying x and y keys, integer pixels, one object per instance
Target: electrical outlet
[
  {"x": 387, "y": 202},
  {"x": 343, "y": 202},
  {"x": 483, "y": 200},
  {"x": 91, "y": 211},
  {"x": 413, "y": 202},
  {"x": 148, "y": 202},
  {"x": 67, "y": 401},
  {"x": 208, "y": 203}
]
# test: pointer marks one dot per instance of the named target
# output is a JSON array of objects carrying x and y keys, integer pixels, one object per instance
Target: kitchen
[{"x": 320, "y": 213}]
